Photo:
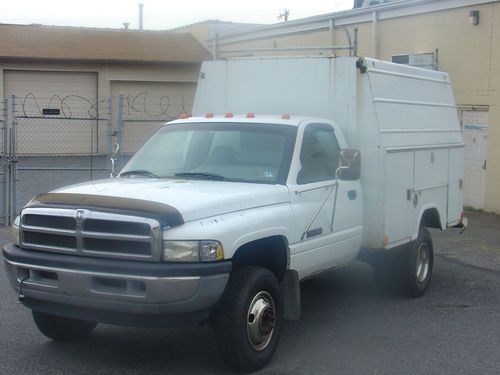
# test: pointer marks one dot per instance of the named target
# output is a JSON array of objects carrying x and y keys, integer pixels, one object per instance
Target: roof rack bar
[
  {"x": 352, "y": 47},
  {"x": 322, "y": 48}
]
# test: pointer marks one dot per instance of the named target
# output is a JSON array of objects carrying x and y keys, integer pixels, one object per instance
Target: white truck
[{"x": 293, "y": 166}]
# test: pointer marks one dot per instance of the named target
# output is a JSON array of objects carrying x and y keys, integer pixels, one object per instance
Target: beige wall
[{"x": 470, "y": 53}]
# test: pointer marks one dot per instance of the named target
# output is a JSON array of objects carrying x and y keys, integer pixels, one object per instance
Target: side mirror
[
  {"x": 113, "y": 160},
  {"x": 350, "y": 169}
]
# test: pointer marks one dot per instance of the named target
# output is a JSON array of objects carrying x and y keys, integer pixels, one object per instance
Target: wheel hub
[
  {"x": 261, "y": 321},
  {"x": 423, "y": 262}
]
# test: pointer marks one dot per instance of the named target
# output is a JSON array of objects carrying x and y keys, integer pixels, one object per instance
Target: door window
[{"x": 319, "y": 155}]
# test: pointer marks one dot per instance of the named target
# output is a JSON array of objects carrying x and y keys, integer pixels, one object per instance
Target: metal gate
[
  {"x": 64, "y": 142},
  {"x": 60, "y": 145},
  {"x": 4, "y": 164}
]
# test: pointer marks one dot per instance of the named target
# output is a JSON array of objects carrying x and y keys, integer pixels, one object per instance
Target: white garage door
[
  {"x": 148, "y": 105},
  {"x": 72, "y": 97}
]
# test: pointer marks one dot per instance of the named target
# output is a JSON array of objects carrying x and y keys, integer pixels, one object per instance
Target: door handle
[{"x": 484, "y": 164}]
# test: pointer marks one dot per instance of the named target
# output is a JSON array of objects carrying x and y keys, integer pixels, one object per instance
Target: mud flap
[{"x": 291, "y": 295}]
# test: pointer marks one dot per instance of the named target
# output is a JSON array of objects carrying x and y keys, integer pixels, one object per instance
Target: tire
[
  {"x": 58, "y": 328},
  {"x": 420, "y": 263},
  {"x": 249, "y": 319}
]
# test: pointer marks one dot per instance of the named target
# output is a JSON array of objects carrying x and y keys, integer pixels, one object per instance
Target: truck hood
[{"x": 194, "y": 199}]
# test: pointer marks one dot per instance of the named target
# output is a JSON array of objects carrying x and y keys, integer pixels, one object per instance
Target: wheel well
[
  {"x": 269, "y": 252},
  {"x": 431, "y": 219}
]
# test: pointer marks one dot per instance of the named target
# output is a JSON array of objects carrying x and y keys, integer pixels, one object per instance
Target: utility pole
[{"x": 284, "y": 16}]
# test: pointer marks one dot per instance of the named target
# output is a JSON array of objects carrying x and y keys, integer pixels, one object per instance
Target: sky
[{"x": 159, "y": 14}]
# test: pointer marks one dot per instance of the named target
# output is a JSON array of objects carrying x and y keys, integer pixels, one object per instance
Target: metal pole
[
  {"x": 216, "y": 46},
  {"x": 119, "y": 129},
  {"x": 13, "y": 163},
  {"x": 141, "y": 7}
]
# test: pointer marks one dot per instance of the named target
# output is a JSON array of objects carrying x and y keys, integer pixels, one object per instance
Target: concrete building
[{"x": 461, "y": 37}]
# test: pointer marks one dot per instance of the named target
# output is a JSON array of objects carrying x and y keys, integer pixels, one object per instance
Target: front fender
[{"x": 238, "y": 228}]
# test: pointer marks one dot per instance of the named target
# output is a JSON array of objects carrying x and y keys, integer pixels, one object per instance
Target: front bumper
[{"x": 116, "y": 291}]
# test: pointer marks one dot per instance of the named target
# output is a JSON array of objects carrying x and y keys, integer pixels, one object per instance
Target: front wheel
[
  {"x": 249, "y": 318},
  {"x": 58, "y": 328}
]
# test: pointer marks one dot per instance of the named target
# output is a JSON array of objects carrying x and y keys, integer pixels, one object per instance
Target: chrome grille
[{"x": 90, "y": 233}]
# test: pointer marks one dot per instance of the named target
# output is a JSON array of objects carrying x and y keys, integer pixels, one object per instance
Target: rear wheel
[
  {"x": 58, "y": 328},
  {"x": 420, "y": 263},
  {"x": 249, "y": 318},
  {"x": 407, "y": 270}
]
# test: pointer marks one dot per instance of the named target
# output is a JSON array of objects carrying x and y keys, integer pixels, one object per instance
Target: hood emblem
[{"x": 79, "y": 215}]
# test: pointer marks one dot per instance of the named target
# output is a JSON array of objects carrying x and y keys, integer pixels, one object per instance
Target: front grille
[
  {"x": 88, "y": 233},
  {"x": 108, "y": 226},
  {"x": 119, "y": 246},
  {"x": 52, "y": 240},
  {"x": 47, "y": 221}
]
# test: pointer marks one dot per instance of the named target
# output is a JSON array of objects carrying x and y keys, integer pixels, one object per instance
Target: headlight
[
  {"x": 192, "y": 251},
  {"x": 15, "y": 230}
]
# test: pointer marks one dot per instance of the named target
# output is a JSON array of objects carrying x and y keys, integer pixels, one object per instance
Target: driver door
[{"x": 328, "y": 211}]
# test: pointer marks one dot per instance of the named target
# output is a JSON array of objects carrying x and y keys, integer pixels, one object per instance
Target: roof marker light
[
  {"x": 285, "y": 116},
  {"x": 228, "y": 115},
  {"x": 184, "y": 115},
  {"x": 250, "y": 115},
  {"x": 209, "y": 115}
]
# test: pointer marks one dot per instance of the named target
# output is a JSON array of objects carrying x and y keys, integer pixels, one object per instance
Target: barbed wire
[
  {"x": 63, "y": 105},
  {"x": 139, "y": 104}
]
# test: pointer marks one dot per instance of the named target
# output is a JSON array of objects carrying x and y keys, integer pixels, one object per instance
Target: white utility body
[
  {"x": 403, "y": 120},
  {"x": 289, "y": 167}
]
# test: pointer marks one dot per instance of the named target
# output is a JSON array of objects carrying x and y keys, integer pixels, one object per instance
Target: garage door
[
  {"x": 147, "y": 106},
  {"x": 69, "y": 95}
]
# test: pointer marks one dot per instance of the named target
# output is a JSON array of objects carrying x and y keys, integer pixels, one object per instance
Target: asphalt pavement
[{"x": 348, "y": 325}]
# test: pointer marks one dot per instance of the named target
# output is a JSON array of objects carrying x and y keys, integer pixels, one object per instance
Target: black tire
[
  {"x": 396, "y": 270},
  {"x": 59, "y": 328},
  {"x": 238, "y": 345},
  {"x": 419, "y": 278}
]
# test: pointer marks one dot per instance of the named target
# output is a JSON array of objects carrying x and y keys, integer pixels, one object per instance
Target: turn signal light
[
  {"x": 209, "y": 115},
  {"x": 228, "y": 115},
  {"x": 184, "y": 115},
  {"x": 250, "y": 115},
  {"x": 285, "y": 116}
]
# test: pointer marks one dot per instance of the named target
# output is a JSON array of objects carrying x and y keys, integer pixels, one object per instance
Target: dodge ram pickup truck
[{"x": 307, "y": 164}]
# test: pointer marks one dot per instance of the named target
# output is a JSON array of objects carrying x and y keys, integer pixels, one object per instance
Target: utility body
[{"x": 307, "y": 164}]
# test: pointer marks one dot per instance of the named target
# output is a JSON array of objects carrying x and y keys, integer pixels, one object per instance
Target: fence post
[
  {"x": 4, "y": 154},
  {"x": 119, "y": 131},
  {"x": 13, "y": 162},
  {"x": 109, "y": 151}
]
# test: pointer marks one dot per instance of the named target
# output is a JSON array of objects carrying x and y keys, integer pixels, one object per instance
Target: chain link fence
[
  {"x": 70, "y": 140},
  {"x": 61, "y": 145},
  {"x": 136, "y": 124}
]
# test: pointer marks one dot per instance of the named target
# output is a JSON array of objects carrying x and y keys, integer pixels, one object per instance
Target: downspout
[{"x": 375, "y": 35}]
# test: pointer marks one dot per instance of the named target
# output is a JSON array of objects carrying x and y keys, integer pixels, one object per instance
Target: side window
[{"x": 319, "y": 154}]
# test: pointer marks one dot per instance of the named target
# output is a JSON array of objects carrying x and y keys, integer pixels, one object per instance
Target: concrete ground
[{"x": 347, "y": 327}]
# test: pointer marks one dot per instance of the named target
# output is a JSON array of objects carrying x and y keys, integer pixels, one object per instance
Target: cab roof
[{"x": 250, "y": 119}]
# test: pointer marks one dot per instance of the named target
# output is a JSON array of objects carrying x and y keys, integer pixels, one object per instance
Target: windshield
[{"x": 258, "y": 153}]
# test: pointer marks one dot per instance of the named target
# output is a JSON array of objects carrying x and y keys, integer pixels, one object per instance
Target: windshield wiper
[
  {"x": 203, "y": 175},
  {"x": 139, "y": 172}
]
